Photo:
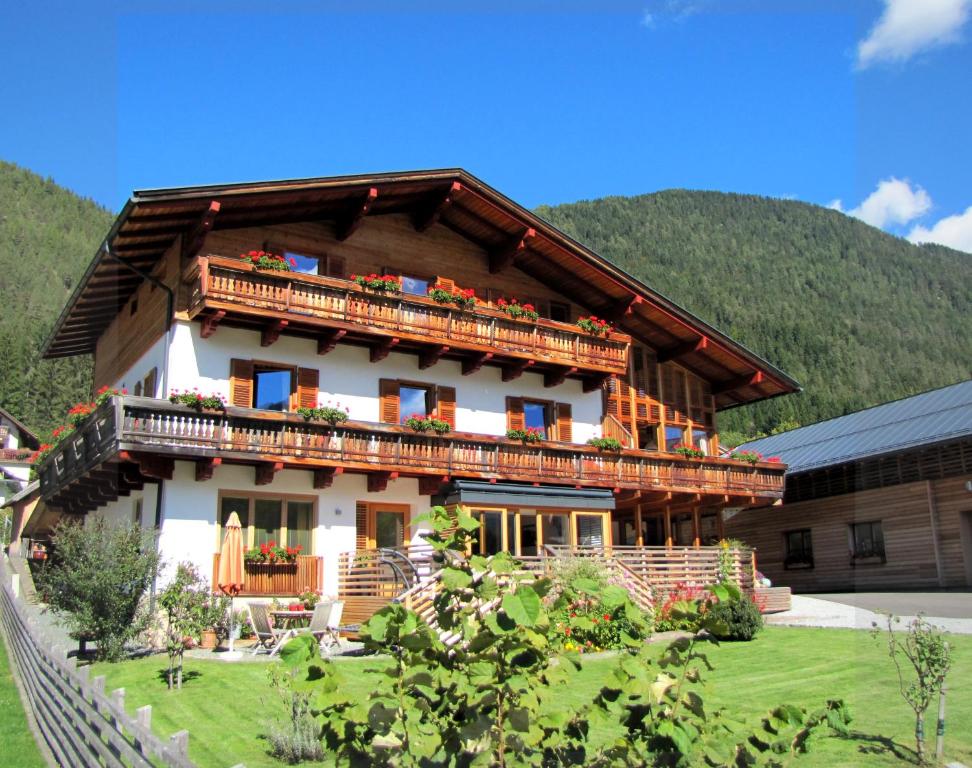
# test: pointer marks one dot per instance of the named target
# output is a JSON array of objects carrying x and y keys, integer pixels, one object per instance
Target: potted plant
[
  {"x": 463, "y": 298},
  {"x": 594, "y": 325},
  {"x": 689, "y": 452},
  {"x": 421, "y": 423},
  {"x": 309, "y": 598},
  {"x": 379, "y": 283},
  {"x": 271, "y": 262},
  {"x": 605, "y": 444},
  {"x": 197, "y": 401},
  {"x": 528, "y": 435},
  {"x": 327, "y": 413},
  {"x": 750, "y": 457},
  {"x": 516, "y": 310},
  {"x": 271, "y": 553}
]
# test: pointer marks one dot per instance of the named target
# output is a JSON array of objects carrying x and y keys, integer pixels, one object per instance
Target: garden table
[{"x": 291, "y": 619}]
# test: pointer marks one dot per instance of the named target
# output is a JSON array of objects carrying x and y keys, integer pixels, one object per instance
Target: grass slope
[
  {"x": 17, "y": 742},
  {"x": 224, "y": 706},
  {"x": 857, "y": 316}
]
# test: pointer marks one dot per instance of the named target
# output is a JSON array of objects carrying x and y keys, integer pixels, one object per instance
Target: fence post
[
  {"x": 180, "y": 742},
  {"x": 15, "y": 584},
  {"x": 143, "y": 716}
]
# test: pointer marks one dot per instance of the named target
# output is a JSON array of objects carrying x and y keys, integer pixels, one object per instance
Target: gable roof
[
  {"x": 152, "y": 219},
  {"x": 900, "y": 425},
  {"x": 29, "y": 438}
]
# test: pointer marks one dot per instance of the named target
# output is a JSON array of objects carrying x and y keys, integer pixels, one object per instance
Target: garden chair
[
  {"x": 325, "y": 624},
  {"x": 268, "y": 637}
]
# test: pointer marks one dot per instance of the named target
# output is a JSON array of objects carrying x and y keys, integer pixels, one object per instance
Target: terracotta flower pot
[{"x": 208, "y": 639}]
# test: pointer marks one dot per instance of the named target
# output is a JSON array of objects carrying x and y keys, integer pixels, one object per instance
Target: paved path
[
  {"x": 954, "y": 605},
  {"x": 817, "y": 612}
]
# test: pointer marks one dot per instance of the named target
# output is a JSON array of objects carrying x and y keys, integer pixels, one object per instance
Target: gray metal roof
[{"x": 931, "y": 417}]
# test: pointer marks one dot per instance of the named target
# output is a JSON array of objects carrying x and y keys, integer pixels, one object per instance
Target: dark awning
[{"x": 530, "y": 496}]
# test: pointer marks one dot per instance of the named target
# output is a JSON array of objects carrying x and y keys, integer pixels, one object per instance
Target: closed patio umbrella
[{"x": 229, "y": 578}]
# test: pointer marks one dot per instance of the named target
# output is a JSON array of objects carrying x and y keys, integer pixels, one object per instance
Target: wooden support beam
[
  {"x": 669, "y": 541},
  {"x": 380, "y": 351},
  {"x": 205, "y": 468},
  {"x": 681, "y": 350},
  {"x": 430, "y": 356},
  {"x": 471, "y": 365},
  {"x": 749, "y": 380},
  {"x": 324, "y": 476},
  {"x": 639, "y": 534},
  {"x": 150, "y": 465},
  {"x": 350, "y": 224},
  {"x": 329, "y": 340},
  {"x": 623, "y": 310},
  {"x": 210, "y": 322},
  {"x": 193, "y": 243},
  {"x": 696, "y": 527},
  {"x": 506, "y": 255},
  {"x": 378, "y": 481},
  {"x": 265, "y": 471},
  {"x": 433, "y": 213},
  {"x": 594, "y": 383},
  {"x": 558, "y": 376},
  {"x": 272, "y": 332},
  {"x": 429, "y": 485},
  {"x": 513, "y": 371}
]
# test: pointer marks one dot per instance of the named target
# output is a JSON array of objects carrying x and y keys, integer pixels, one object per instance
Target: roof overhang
[{"x": 151, "y": 221}]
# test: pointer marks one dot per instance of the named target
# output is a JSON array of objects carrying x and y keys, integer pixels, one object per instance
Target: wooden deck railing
[
  {"x": 282, "y": 579},
  {"x": 157, "y": 426},
  {"x": 221, "y": 283}
]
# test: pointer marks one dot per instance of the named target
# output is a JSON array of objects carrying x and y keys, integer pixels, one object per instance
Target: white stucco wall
[
  {"x": 348, "y": 378},
  {"x": 153, "y": 358},
  {"x": 190, "y": 511},
  {"x": 122, "y": 510}
]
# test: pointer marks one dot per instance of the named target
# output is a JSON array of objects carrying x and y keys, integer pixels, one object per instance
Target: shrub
[
  {"x": 735, "y": 618},
  {"x": 296, "y": 737},
  {"x": 189, "y": 609},
  {"x": 95, "y": 581},
  {"x": 421, "y": 423}
]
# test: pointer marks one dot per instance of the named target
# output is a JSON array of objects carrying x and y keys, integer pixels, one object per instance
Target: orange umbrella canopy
[{"x": 229, "y": 578}]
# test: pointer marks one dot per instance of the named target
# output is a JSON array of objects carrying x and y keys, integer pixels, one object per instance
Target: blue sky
[{"x": 863, "y": 102}]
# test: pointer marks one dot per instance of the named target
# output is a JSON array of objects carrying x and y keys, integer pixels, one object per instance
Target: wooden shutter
[
  {"x": 514, "y": 413},
  {"x": 241, "y": 383},
  {"x": 388, "y": 401},
  {"x": 445, "y": 404},
  {"x": 565, "y": 423},
  {"x": 307, "y": 384},
  {"x": 445, "y": 283},
  {"x": 361, "y": 538},
  {"x": 335, "y": 266},
  {"x": 148, "y": 385}
]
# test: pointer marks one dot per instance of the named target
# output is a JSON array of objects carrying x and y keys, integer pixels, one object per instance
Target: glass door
[
  {"x": 491, "y": 536},
  {"x": 389, "y": 529},
  {"x": 556, "y": 529}
]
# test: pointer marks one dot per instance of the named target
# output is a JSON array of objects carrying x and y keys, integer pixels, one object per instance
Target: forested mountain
[
  {"x": 47, "y": 237},
  {"x": 857, "y": 316}
]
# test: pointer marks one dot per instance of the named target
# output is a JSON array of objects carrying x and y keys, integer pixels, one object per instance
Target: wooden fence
[
  {"x": 279, "y": 579},
  {"x": 81, "y": 724}
]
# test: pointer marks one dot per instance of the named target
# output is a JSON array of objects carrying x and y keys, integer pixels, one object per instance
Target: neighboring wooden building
[
  {"x": 17, "y": 446},
  {"x": 879, "y": 499},
  {"x": 168, "y": 304}
]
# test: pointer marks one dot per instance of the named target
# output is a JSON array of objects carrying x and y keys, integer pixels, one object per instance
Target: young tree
[
  {"x": 96, "y": 579},
  {"x": 924, "y": 648},
  {"x": 189, "y": 609}
]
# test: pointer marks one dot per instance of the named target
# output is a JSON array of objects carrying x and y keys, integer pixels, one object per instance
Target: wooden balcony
[
  {"x": 230, "y": 291},
  {"x": 279, "y": 579},
  {"x": 158, "y": 432}
]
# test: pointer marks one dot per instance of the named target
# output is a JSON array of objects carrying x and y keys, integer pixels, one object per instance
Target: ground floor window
[
  {"x": 867, "y": 541},
  {"x": 287, "y": 520},
  {"x": 524, "y": 532},
  {"x": 380, "y": 526},
  {"x": 799, "y": 549}
]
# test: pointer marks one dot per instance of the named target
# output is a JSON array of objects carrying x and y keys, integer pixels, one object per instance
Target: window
[
  {"x": 536, "y": 416},
  {"x": 137, "y": 513},
  {"x": 389, "y": 529},
  {"x": 673, "y": 438},
  {"x": 379, "y": 525},
  {"x": 272, "y": 388},
  {"x": 799, "y": 549},
  {"x": 648, "y": 438},
  {"x": 287, "y": 520},
  {"x": 559, "y": 312},
  {"x": 702, "y": 439},
  {"x": 867, "y": 541},
  {"x": 415, "y": 400},
  {"x": 417, "y": 286},
  {"x": 590, "y": 530},
  {"x": 556, "y": 529},
  {"x": 305, "y": 265}
]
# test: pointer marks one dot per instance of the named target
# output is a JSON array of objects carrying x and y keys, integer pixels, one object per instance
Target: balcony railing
[
  {"x": 247, "y": 435},
  {"x": 232, "y": 285},
  {"x": 282, "y": 579}
]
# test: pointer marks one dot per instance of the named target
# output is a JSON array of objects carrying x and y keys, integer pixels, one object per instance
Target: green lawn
[
  {"x": 15, "y": 736},
  {"x": 225, "y": 705}
]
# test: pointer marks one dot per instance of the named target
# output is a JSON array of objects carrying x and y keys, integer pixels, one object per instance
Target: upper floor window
[
  {"x": 272, "y": 386},
  {"x": 302, "y": 263},
  {"x": 397, "y": 400},
  {"x": 416, "y": 401},
  {"x": 559, "y": 312},
  {"x": 554, "y": 420},
  {"x": 309, "y": 262},
  {"x": 867, "y": 540},
  {"x": 799, "y": 549},
  {"x": 538, "y": 416},
  {"x": 417, "y": 286},
  {"x": 673, "y": 437},
  {"x": 702, "y": 439}
]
